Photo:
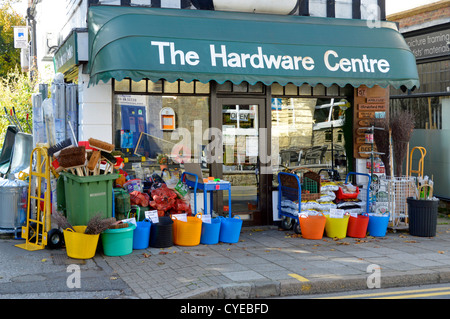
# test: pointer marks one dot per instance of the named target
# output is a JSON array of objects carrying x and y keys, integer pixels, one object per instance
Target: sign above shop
[
  {"x": 203, "y": 45},
  {"x": 430, "y": 45}
]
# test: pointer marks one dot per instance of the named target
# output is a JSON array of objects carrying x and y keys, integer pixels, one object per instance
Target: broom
[
  {"x": 96, "y": 224},
  {"x": 61, "y": 220},
  {"x": 381, "y": 139},
  {"x": 402, "y": 125},
  {"x": 73, "y": 158}
]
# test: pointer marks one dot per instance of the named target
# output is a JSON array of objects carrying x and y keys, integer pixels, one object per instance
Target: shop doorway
[{"x": 241, "y": 120}]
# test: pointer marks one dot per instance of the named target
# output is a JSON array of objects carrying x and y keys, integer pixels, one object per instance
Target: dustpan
[
  {"x": 8, "y": 144},
  {"x": 23, "y": 146}
]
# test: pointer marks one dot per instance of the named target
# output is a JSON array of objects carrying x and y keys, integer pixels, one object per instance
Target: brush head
[
  {"x": 72, "y": 157},
  {"x": 109, "y": 157},
  {"x": 58, "y": 147},
  {"x": 93, "y": 160},
  {"x": 101, "y": 145}
]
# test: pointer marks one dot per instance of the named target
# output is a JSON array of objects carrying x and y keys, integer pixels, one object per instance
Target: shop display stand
[
  {"x": 372, "y": 152},
  {"x": 210, "y": 186}
]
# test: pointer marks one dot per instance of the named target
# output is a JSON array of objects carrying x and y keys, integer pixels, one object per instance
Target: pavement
[{"x": 267, "y": 262}]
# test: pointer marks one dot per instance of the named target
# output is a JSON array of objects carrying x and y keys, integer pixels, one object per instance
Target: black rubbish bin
[{"x": 422, "y": 217}]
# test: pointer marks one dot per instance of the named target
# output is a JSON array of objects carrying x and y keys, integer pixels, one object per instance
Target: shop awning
[{"x": 173, "y": 44}]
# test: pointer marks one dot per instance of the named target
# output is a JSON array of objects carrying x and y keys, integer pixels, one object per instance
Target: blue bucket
[
  {"x": 230, "y": 229},
  {"x": 210, "y": 232},
  {"x": 378, "y": 225},
  {"x": 141, "y": 236}
]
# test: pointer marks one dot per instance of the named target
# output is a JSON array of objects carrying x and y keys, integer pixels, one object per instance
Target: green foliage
[
  {"x": 15, "y": 91},
  {"x": 9, "y": 56}
]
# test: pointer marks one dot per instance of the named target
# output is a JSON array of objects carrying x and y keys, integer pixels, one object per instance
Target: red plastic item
[
  {"x": 341, "y": 195},
  {"x": 86, "y": 145}
]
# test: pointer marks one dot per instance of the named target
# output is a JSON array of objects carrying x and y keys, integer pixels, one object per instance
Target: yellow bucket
[
  {"x": 336, "y": 227},
  {"x": 187, "y": 233},
  {"x": 80, "y": 245}
]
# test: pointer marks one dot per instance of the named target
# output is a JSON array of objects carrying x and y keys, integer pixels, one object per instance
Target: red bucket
[{"x": 357, "y": 226}]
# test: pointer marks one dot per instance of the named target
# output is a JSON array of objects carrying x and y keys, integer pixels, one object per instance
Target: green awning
[{"x": 173, "y": 44}]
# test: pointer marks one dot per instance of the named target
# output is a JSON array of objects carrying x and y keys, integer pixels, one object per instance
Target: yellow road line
[
  {"x": 417, "y": 295},
  {"x": 390, "y": 293},
  {"x": 299, "y": 278}
]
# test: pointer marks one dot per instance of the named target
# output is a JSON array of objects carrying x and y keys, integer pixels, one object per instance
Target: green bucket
[{"x": 118, "y": 241}]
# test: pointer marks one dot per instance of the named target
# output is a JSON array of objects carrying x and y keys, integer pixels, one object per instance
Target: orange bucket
[
  {"x": 187, "y": 233},
  {"x": 312, "y": 227},
  {"x": 357, "y": 226}
]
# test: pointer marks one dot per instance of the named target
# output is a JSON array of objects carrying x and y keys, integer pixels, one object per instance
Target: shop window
[
  {"x": 307, "y": 90},
  {"x": 141, "y": 127},
  {"x": 243, "y": 87},
  {"x": 277, "y": 89},
  {"x": 154, "y": 87},
  {"x": 290, "y": 89},
  {"x": 201, "y": 88},
  {"x": 319, "y": 90},
  {"x": 171, "y": 87},
  {"x": 139, "y": 131},
  {"x": 186, "y": 88},
  {"x": 122, "y": 86},
  {"x": 140, "y": 86},
  {"x": 307, "y": 130}
]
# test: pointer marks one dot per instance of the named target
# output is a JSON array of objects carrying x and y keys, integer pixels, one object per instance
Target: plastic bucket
[
  {"x": 336, "y": 227},
  {"x": 118, "y": 241},
  {"x": 78, "y": 244},
  {"x": 312, "y": 227},
  {"x": 210, "y": 232},
  {"x": 357, "y": 226},
  {"x": 161, "y": 233},
  {"x": 230, "y": 229},
  {"x": 378, "y": 225},
  {"x": 141, "y": 236},
  {"x": 187, "y": 233}
]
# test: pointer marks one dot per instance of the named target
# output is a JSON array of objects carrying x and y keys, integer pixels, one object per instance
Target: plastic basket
[
  {"x": 336, "y": 227},
  {"x": 357, "y": 226},
  {"x": 161, "y": 233},
  {"x": 312, "y": 227},
  {"x": 118, "y": 241},
  {"x": 378, "y": 225},
  {"x": 230, "y": 229},
  {"x": 210, "y": 232},
  {"x": 341, "y": 195},
  {"x": 78, "y": 244},
  {"x": 187, "y": 233},
  {"x": 141, "y": 236}
]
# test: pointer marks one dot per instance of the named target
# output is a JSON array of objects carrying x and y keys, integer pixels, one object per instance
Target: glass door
[{"x": 240, "y": 131}]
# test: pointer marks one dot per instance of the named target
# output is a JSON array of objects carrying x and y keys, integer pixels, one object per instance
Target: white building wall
[{"x": 94, "y": 110}]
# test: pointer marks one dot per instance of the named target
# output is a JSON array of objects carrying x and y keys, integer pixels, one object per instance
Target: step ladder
[{"x": 38, "y": 209}]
